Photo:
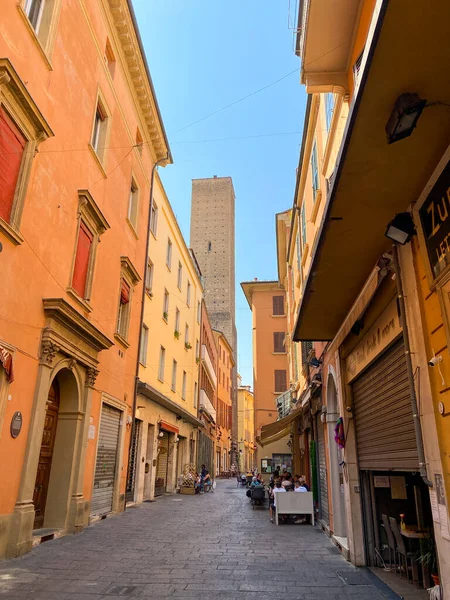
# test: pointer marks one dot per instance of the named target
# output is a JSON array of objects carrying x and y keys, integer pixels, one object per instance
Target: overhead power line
[{"x": 236, "y": 101}]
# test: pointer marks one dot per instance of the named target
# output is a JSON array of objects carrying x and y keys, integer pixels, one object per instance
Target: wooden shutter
[
  {"x": 230, "y": 417},
  {"x": 280, "y": 381},
  {"x": 382, "y": 407},
  {"x": 124, "y": 292},
  {"x": 306, "y": 349},
  {"x": 12, "y": 144},
  {"x": 278, "y": 305},
  {"x": 80, "y": 270},
  {"x": 278, "y": 341}
]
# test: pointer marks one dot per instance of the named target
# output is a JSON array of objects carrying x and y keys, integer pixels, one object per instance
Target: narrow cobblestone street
[{"x": 212, "y": 546}]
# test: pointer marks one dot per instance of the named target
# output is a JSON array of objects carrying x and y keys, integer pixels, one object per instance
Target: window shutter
[
  {"x": 80, "y": 271},
  {"x": 278, "y": 305},
  {"x": 124, "y": 292},
  {"x": 12, "y": 144},
  {"x": 278, "y": 341},
  {"x": 306, "y": 349},
  {"x": 230, "y": 417},
  {"x": 280, "y": 381}
]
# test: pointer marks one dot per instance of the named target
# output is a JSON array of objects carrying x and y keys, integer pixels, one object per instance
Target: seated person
[
  {"x": 303, "y": 482},
  {"x": 299, "y": 488},
  {"x": 207, "y": 481},
  {"x": 273, "y": 505},
  {"x": 256, "y": 482},
  {"x": 287, "y": 483},
  {"x": 197, "y": 483}
]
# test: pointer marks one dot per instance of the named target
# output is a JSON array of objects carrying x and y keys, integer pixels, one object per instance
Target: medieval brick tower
[{"x": 212, "y": 240}]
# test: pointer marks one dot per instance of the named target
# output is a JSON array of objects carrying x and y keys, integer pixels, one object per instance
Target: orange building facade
[
  {"x": 270, "y": 367},
  {"x": 80, "y": 132},
  {"x": 225, "y": 364}
]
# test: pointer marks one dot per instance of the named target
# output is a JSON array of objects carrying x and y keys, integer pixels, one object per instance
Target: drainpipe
[
  {"x": 141, "y": 320},
  {"x": 412, "y": 387}
]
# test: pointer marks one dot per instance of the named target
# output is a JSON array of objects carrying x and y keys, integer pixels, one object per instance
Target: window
[
  {"x": 144, "y": 345},
  {"x": 99, "y": 130},
  {"x": 357, "y": 68},
  {"x": 91, "y": 225},
  {"x": 180, "y": 276},
  {"x": 315, "y": 170},
  {"x": 124, "y": 309},
  {"x": 174, "y": 376},
  {"x": 195, "y": 394},
  {"x": 228, "y": 385},
  {"x": 166, "y": 306},
  {"x": 197, "y": 349},
  {"x": 133, "y": 205},
  {"x": 306, "y": 349},
  {"x": 209, "y": 246},
  {"x": 154, "y": 219},
  {"x": 22, "y": 128},
  {"x": 177, "y": 323},
  {"x": 34, "y": 10},
  {"x": 139, "y": 141},
  {"x": 186, "y": 335},
  {"x": 303, "y": 224},
  {"x": 299, "y": 251},
  {"x": 278, "y": 341},
  {"x": 278, "y": 305},
  {"x": 149, "y": 278},
  {"x": 280, "y": 381},
  {"x": 199, "y": 312},
  {"x": 183, "y": 386},
  {"x": 82, "y": 260},
  {"x": 169, "y": 254},
  {"x": 162, "y": 360},
  {"x": 129, "y": 278},
  {"x": 329, "y": 109},
  {"x": 188, "y": 294},
  {"x": 41, "y": 15},
  {"x": 110, "y": 59}
]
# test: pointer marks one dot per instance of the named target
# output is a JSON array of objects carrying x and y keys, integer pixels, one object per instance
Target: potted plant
[
  {"x": 197, "y": 360},
  {"x": 428, "y": 557},
  {"x": 165, "y": 315},
  {"x": 176, "y": 334},
  {"x": 187, "y": 346}
]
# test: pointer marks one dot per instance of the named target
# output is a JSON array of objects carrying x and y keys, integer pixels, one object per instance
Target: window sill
[
  {"x": 169, "y": 268},
  {"x": 34, "y": 37},
  {"x": 161, "y": 380},
  {"x": 279, "y": 353},
  {"x": 11, "y": 233},
  {"x": 143, "y": 364},
  {"x": 153, "y": 234},
  {"x": 316, "y": 206},
  {"x": 166, "y": 321},
  {"x": 84, "y": 303},
  {"x": 149, "y": 294},
  {"x": 305, "y": 254},
  {"x": 279, "y": 316},
  {"x": 97, "y": 160},
  {"x": 121, "y": 340},
  {"x": 133, "y": 229}
]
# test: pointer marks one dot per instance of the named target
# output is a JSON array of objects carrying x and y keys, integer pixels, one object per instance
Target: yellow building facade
[
  {"x": 246, "y": 427},
  {"x": 167, "y": 402}
]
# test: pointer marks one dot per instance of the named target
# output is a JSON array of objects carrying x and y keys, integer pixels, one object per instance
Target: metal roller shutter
[
  {"x": 323, "y": 482},
  {"x": 105, "y": 466},
  {"x": 134, "y": 449},
  {"x": 161, "y": 464},
  {"x": 383, "y": 416}
]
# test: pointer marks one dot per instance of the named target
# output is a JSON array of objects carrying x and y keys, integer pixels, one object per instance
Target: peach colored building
[
  {"x": 270, "y": 366},
  {"x": 81, "y": 131},
  {"x": 225, "y": 364}
]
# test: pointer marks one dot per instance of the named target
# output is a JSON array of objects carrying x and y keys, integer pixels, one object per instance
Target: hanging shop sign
[
  {"x": 384, "y": 331},
  {"x": 435, "y": 219}
]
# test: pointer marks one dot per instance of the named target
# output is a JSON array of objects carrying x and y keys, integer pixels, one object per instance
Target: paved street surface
[{"x": 211, "y": 547}]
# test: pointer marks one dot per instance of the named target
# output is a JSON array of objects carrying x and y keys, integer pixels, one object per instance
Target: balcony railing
[
  {"x": 208, "y": 365},
  {"x": 206, "y": 404},
  {"x": 284, "y": 403}
]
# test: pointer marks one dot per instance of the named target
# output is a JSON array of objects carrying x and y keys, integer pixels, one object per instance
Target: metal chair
[
  {"x": 403, "y": 554},
  {"x": 258, "y": 495},
  {"x": 391, "y": 541}
]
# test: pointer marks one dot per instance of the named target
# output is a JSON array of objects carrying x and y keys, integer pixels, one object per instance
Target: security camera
[{"x": 434, "y": 360}]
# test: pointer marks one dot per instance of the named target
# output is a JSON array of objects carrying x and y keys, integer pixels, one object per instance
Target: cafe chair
[
  {"x": 391, "y": 542},
  {"x": 257, "y": 496},
  {"x": 404, "y": 557}
]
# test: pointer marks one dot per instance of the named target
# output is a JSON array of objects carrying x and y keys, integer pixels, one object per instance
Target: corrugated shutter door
[
  {"x": 105, "y": 466},
  {"x": 383, "y": 416},
  {"x": 134, "y": 449},
  {"x": 322, "y": 470},
  {"x": 161, "y": 464}
]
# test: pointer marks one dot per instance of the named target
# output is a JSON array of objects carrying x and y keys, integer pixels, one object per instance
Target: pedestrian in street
[{"x": 273, "y": 506}]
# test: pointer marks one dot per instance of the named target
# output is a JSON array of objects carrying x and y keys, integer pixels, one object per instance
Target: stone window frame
[
  {"x": 134, "y": 196},
  {"x": 129, "y": 274},
  {"x": 90, "y": 214},
  {"x": 24, "y": 112},
  {"x": 100, "y": 156},
  {"x": 44, "y": 39}
]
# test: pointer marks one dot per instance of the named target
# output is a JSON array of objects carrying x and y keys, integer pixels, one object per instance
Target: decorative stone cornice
[
  {"x": 129, "y": 270},
  {"x": 48, "y": 352},
  {"x": 129, "y": 39},
  {"x": 91, "y": 376}
]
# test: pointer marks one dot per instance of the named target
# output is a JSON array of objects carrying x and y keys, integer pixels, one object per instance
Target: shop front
[{"x": 394, "y": 497}]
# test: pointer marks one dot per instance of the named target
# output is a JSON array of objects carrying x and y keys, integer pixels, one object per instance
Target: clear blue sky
[{"x": 205, "y": 54}]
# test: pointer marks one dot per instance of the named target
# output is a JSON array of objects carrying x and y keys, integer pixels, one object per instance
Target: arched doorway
[
  {"x": 52, "y": 490},
  {"x": 336, "y": 460}
]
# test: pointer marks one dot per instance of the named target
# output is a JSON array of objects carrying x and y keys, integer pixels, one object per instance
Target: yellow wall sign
[{"x": 384, "y": 331}]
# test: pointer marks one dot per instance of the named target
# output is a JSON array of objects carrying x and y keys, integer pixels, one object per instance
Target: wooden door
[{"x": 46, "y": 455}]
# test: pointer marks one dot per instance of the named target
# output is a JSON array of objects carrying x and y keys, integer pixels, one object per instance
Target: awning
[
  {"x": 168, "y": 427},
  {"x": 7, "y": 363},
  {"x": 146, "y": 390},
  {"x": 374, "y": 180},
  {"x": 277, "y": 430}
]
